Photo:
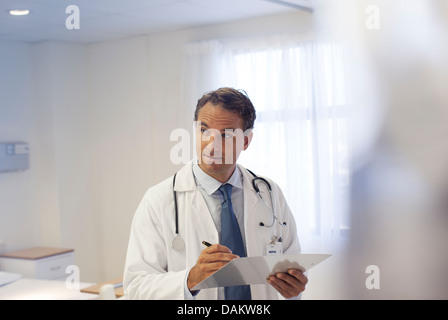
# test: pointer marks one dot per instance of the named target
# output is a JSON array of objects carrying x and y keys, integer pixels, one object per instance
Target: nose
[{"x": 215, "y": 145}]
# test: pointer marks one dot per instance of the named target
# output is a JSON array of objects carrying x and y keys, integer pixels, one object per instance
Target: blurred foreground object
[{"x": 399, "y": 76}]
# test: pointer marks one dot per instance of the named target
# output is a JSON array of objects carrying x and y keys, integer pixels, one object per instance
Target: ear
[{"x": 247, "y": 138}]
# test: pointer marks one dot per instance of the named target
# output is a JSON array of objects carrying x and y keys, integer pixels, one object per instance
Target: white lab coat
[{"x": 154, "y": 270}]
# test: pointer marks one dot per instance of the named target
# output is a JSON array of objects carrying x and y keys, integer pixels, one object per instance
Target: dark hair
[{"x": 230, "y": 99}]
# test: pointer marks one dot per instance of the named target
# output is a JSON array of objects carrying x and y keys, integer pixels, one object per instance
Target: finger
[
  {"x": 218, "y": 256},
  {"x": 217, "y": 248},
  {"x": 201, "y": 271},
  {"x": 295, "y": 284},
  {"x": 207, "y": 269},
  {"x": 299, "y": 275},
  {"x": 277, "y": 285},
  {"x": 287, "y": 285},
  {"x": 210, "y": 268},
  {"x": 284, "y": 285}
]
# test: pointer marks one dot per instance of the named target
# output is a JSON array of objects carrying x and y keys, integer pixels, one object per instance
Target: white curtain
[{"x": 300, "y": 139}]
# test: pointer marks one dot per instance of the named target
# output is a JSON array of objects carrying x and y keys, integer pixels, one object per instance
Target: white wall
[
  {"x": 64, "y": 191},
  {"x": 17, "y": 219},
  {"x": 121, "y": 125},
  {"x": 98, "y": 119},
  {"x": 44, "y": 95}
]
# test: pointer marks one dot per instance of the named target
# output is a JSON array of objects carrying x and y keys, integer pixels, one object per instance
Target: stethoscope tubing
[
  {"x": 257, "y": 190},
  {"x": 176, "y": 212}
]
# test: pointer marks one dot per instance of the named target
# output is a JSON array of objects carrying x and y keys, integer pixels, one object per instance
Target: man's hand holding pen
[{"x": 211, "y": 259}]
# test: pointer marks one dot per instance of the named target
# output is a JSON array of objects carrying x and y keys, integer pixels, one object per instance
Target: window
[{"x": 301, "y": 137}]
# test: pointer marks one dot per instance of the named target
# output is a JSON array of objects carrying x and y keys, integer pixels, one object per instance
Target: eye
[{"x": 227, "y": 135}]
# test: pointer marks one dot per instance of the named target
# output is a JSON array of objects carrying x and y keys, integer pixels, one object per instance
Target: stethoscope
[
  {"x": 178, "y": 243},
  {"x": 257, "y": 190}
]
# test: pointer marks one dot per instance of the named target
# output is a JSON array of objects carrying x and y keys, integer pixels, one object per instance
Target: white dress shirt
[{"x": 208, "y": 187}]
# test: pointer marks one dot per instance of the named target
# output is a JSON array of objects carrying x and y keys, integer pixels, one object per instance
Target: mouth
[{"x": 211, "y": 158}]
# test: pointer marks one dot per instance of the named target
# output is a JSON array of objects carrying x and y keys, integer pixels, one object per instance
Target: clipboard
[{"x": 256, "y": 270}]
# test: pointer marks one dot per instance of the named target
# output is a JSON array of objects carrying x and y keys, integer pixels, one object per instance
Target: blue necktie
[{"x": 231, "y": 238}]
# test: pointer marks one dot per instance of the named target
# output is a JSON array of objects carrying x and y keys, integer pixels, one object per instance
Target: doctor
[{"x": 158, "y": 267}]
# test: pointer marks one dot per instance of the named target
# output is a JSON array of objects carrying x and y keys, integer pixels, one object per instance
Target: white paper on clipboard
[{"x": 255, "y": 270}]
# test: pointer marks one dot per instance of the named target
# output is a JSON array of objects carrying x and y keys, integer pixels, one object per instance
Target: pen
[{"x": 205, "y": 243}]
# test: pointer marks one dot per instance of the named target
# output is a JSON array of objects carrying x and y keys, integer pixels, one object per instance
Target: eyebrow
[{"x": 206, "y": 125}]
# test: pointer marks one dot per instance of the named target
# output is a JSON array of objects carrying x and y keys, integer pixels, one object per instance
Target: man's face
[{"x": 219, "y": 141}]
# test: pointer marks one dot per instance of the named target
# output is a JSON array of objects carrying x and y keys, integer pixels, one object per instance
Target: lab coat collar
[
  {"x": 247, "y": 177},
  {"x": 185, "y": 179},
  {"x": 250, "y": 198},
  {"x": 210, "y": 184}
]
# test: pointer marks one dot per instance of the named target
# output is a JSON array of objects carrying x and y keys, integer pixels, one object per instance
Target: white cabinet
[{"x": 39, "y": 263}]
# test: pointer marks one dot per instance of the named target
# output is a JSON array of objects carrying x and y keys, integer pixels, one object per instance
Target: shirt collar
[{"x": 210, "y": 184}]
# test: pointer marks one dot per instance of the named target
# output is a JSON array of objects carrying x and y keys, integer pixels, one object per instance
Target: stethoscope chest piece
[{"x": 178, "y": 244}]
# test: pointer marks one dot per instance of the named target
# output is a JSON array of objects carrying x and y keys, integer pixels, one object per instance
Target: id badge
[{"x": 274, "y": 248}]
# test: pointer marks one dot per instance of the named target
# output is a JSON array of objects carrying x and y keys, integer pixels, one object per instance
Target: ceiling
[{"x": 102, "y": 20}]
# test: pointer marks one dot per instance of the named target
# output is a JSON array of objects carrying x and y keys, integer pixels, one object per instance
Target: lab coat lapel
[
  {"x": 203, "y": 219},
  {"x": 200, "y": 225},
  {"x": 254, "y": 238}
]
